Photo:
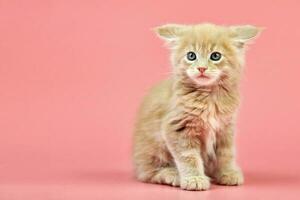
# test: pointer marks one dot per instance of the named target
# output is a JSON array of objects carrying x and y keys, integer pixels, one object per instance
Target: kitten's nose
[{"x": 202, "y": 69}]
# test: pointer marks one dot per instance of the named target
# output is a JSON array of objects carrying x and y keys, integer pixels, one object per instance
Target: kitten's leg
[
  {"x": 227, "y": 171},
  {"x": 153, "y": 169},
  {"x": 185, "y": 150}
]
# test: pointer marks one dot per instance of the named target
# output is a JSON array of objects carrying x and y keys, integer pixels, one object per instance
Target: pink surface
[{"x": 72, "y": 74}]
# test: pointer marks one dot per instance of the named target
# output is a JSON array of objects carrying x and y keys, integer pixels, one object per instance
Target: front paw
[
  {"x": 195, "y": 183},
  {"x": 230, "y": 177}
]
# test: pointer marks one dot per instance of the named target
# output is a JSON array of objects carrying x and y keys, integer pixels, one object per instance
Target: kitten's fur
[{"x": 185, "y": 128}]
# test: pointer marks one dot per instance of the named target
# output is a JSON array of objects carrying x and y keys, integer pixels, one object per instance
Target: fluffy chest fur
[{"x": 204, "y": 113}]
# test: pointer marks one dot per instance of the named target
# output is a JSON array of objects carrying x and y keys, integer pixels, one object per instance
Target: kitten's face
[
  {"x": 200, "y": 59},
  {"x": 204, "y": 54}
]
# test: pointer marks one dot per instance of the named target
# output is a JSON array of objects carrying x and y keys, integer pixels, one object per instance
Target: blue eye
[
  {"x": 191, "y": 56},
  {"x": 215, "y": 56}
]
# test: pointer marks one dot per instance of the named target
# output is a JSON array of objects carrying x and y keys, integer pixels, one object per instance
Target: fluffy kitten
[{"x": 185, "y": 128}]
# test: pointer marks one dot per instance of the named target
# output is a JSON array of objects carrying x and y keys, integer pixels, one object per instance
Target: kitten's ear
[
  {"x": 244, "y": 34},
  {"x": 170, "y": 32}
]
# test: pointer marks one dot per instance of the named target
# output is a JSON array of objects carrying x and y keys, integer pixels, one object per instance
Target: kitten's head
[{"x": 205, "y": 54}]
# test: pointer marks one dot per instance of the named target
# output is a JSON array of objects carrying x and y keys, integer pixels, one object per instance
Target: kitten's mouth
[{"x": 203, "y": 76}]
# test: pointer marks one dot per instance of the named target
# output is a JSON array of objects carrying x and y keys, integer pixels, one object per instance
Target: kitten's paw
[
  {"x": 168, "y": 175},
  {"x": 195, "y": 183},
  {"x": 230, "y": 177},
  {"x": 172, "y": 179}
]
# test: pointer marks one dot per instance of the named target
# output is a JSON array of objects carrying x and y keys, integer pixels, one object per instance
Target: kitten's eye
[
  {"x": 215, "y": 56},
  {"x": 191, "y": 56}
]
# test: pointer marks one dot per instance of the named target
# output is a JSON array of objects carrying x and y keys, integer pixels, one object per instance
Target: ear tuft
[
  {"x": 246, "y": 33},
  {"x": 169, "y": 32}
]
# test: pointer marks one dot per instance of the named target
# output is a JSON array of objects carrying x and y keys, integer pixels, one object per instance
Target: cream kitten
[{"x": 185, "y": 128}]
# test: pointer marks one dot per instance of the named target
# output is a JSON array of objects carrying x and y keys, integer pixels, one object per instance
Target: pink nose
[{"x": 202, "y": 69}]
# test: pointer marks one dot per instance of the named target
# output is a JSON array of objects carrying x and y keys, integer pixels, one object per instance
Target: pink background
[{"x": 72, "y": 74}]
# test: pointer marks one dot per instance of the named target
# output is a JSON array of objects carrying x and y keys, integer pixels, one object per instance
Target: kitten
[{"x": 184, "y": 133}]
